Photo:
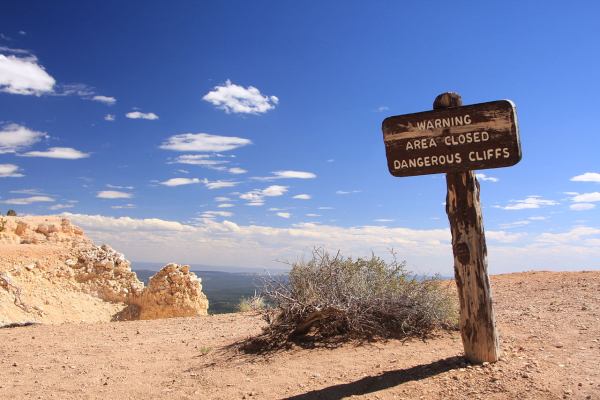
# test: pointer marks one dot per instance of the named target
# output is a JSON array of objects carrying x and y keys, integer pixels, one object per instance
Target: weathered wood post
[
  {"x": 457, "y": 140},
  {"x": 477, "y": 320}
]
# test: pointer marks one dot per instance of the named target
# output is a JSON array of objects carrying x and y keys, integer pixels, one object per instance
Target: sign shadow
[{"x": 385, "y": 380}]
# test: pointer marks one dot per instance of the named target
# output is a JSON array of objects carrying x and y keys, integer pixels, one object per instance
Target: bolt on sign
[{"x": 465, "y": 138}]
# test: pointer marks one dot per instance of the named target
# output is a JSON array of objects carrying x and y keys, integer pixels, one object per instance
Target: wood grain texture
[
  {"x": 463, "y": 206},
  {"x": 453, "y": 139}
]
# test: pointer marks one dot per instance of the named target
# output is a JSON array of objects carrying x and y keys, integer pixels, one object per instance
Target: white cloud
[
  {"x": 27, "y": 200},
  {"x": 110, "y": 117},
  {"x": 539, "y": 218},
  {"x": 586, "y": 197},
  {"x": 514, "y": 224},
  {"x": 486, "y": 178},
  {"x": 384, "y": 220},
  {"x": 106, "y": 100},
  {"x": 574, "y": 235},
  {"x": 582, "y": 206},
  {"x": 236, "y": 99},
  {"x": 119, "y": 187},
  {"x": 9, "y": 171},
  {"x": 287, "y": 174},
  {"x": 302, "y": 196},
  {"x": 237, "y": 171},
  {"x": 124, "y": 206},
  {"x": 313, "y": 215},
  {"x": 113, "y": 194},
  {"x": 227, "y": 243},
  {"x": 284, "y": 214},
  {"x": 203, "y": 142},
  {"x": 141, "y": 115},
  {"x": 213, "y": 214},
  {"x": 344, "y": 192},
  {"x": 225, "y": 205},
  {"x": 15, "y": 137},
  {"x": 504, "y": 237},
  {"x": 222, "y": 199},
  {"x": 197, "y": 159},
  {"x": 218, "y": 184},
  {"x": 587, "y": 177},
  {"x": 59, "y": 206},
  {"x": 66, "y": 153},
  {"x": 326, "y": 208},
  {"x": 24, "y": 76},
  {"x": 180, "y": 181},
  {"x": 382, "y": 108},
  {"x": 529, "y": 202},
  {"x": 275, "y": 190}
]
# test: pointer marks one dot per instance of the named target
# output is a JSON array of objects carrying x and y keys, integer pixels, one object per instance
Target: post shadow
[{"x": 386, "y": 380}]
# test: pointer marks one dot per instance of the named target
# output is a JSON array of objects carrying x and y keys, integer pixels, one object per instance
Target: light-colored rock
[
  {"x": 49, "y": 257},
  {"x": 173, "y": 292}
]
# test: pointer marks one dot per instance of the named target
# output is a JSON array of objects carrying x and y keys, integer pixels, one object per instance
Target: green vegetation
[
  {"x": 253, "y": 303},
  {"x": 2, "y": 222},
  {"x": 205, "y": 350},
  {"x": 332, "y": 295},
  {"x": 11, "y": 213}
]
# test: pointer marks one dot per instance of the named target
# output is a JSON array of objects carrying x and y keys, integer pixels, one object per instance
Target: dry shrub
[{"x": 366, "y": 298}]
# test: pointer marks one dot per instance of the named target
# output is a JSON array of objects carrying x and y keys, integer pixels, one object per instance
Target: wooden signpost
[{"x": 458, "y": 139}]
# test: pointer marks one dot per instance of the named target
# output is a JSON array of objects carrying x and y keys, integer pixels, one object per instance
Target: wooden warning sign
[{"x": 465, "y": 138}]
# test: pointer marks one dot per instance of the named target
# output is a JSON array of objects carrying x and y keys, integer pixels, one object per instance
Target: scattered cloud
[
  {"x": 119, "y": 187},
  {"x": 256, "y": 197},
  {"x": 287, "y": 174},
  {"x": 237, "y": 171},
  {"x": 586, "y": 197},
  {"x": 529, "y": 202},
  {"x": 382, "y": 108},
  {"x": 110, "y": 117},
  {"x": 9, "y": 171},
  {"x": 539, "y": 218},
  {"x": 225, "y": 205},
  {"x": 482, "y": 177},
  {"x": 384, "y": 220},
  {"x": 180, "y": 181},
  {"x": 219, "y": 184},
  {"x": 514, "y": 224},
  {"x": 203, "y": 142},
  {"x": 325, "y": 208},
  {"x": 197, "y": 159},
  {"x": 113, "y": 194},
  {"x": 235, "y": 99},
  {"x": 27, "y": 200},
  {"x": 303, "y": 196},
  {"x": 504, "y": 237},
  {"x": 23, "y": 75},
  {"x": 313, "y": 215},
  {"x": 60, "y": 206},
  {"x": 213, "y": 214},
  {"x": 15, "y": 138},
  {"x": 66, "y": 153},
  {"x": 222, "y": 199},
  {"x": 106, "y": 100},
  {"x": 124, "y": 206},
  {"x": 574, "y": 235},
  {"x": 344, "y": 192},
  {"x": 587, "y": 177},
  {"x": 284, "y": 214},
  {"x": 141, "y": 115},
  {"x": 582, "y": 206}
]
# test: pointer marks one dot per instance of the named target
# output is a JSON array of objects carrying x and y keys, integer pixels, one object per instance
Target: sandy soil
[{"x": 549, "y": 325}]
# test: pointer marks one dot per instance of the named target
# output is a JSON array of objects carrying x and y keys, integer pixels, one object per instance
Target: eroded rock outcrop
[
  {"x": 41, "y": 230},
  {"x": 173, "y": 292},
  {"x": 61, "y": 276}
]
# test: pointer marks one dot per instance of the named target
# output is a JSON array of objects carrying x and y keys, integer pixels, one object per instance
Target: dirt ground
[{"x": 549, "y": 326}]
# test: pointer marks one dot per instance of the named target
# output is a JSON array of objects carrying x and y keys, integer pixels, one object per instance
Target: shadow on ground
[{"x": 386, "y": 380}]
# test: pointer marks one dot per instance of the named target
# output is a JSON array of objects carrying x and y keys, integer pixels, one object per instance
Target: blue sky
[{"x": 238, "y": 133}]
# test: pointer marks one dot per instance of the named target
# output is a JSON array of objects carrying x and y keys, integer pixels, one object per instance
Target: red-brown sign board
[{"x": 473, "y": 137}]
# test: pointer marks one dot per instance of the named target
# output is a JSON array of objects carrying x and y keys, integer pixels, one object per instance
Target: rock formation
[
  {"x": 51, "y": 272},
  {"x": 173, "y": 292}
]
